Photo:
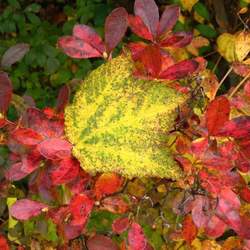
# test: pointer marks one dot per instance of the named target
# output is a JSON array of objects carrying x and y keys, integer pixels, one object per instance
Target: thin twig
[
  {"x": 217, "y": 63},
  {"x": 239, "y": 85},
  {"x": 224, "y": 78}
]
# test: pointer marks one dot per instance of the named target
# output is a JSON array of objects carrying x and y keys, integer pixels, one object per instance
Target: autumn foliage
[{"x": 208, "y": 208}]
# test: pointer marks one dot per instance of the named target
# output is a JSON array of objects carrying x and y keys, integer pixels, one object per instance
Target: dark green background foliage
[{"x": 40, "y": 23}]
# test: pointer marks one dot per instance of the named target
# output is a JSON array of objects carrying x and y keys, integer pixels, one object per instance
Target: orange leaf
[
  {"x": 107, "y": 183},
  {"x": 189, "y": 231}
]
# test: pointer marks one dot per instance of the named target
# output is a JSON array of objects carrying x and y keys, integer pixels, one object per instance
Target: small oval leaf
[{"x": 14, "y": 54}]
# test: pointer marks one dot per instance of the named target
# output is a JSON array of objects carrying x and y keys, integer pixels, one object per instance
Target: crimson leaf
[{"x": 115, "y": 27}]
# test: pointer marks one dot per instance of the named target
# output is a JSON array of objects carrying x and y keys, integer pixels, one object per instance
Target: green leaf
[
  {"x": 154, "y": 236},
  {"x": 202, "y": 10},
  {"x": 52, "y": 65},
  {"x": 34, "y": 19},
  {"x": 101, "y": 222},
  {"x": 206, "y": 30},
  {"x": 28, "y": 227},
  {"x": 51, "y": 235},
  {"x": 10, "y": 202},
  {"x": 50, "y": 51},
  {"x": 14, "y": 3},
  {"x": 34, "y": 7}
]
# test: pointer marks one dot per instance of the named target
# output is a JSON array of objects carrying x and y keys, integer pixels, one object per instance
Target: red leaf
[
  {"x": 137, "y": 49},
  {"x": 217, "y": 114},
  {"x": 60, "y": 216},
  {"x": 3, "y": 122},
  {"x": 199, "y": 147},
  {"x": 88, "y": 35},
  {"x": 189, "y": 230},
  {"x": 15, "y": 172},
  {"x": 243, "y": 163},
  {"x": 66, "y": 171},
  {"x": 26, "y": 136},
  {"x": 147, "y": 10},
  {"x": 167, "y": 60},
  {"x": 115, "y": 204},
  {"x": 5, "y": 92},
  {"x": 31, "y": 161},
  {"x": 3, "y": 243},
  {"x": 107, "y": 183},
  {"x": 213, "y": 182},
  {"x": 77, "y": 48},
  {"x": 241, "y": 68},
  {"x": 168, "y": 19},
  {"x": 151, "y": 59},
  {"x": 245, "y": 194},
  {"x": 178, "y": 40},
  {"x": 20, "y": 170},
  {"x": 199, "y": 211},
  {"x": 120, "y": 225},
  {"x": 25, "y": 209},
  {"x": 80, "y": 207},
  {"x": 215, "y": 227},
  {"x": 179, "y": 70},
  {"x": 116, "y": 25},
  {"x": 136, "y": 237},
  {"x": 55, "y": 149},
  {"x": 42, "y": 124},
  {"x": 79, "y": 184},
  {"x": 139, "y": 28},
  {"x": 238, "y": 127},
  {"x": 228, "y": 208},
  {"x": 247, "y": 88},
  {"x": 101, "y": 242},
  {"x": 63, "y": 98}
]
